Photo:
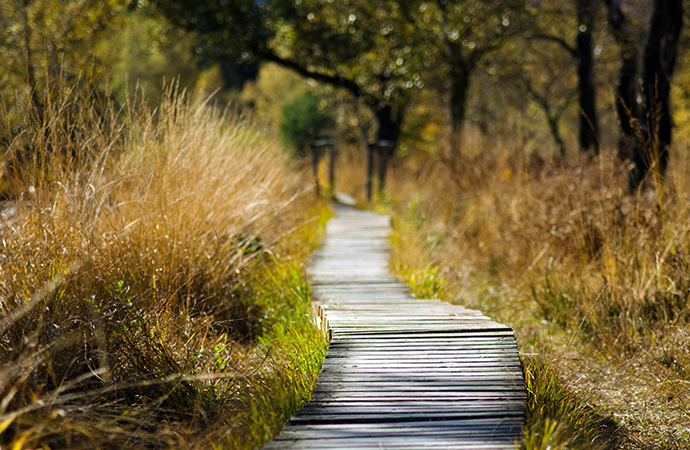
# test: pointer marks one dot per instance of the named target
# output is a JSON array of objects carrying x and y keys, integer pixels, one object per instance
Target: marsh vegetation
[{"x": 156, "y": 213}]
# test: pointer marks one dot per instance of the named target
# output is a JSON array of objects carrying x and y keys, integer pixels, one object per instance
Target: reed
[
  {"x": 137, "y": 304},
  {"x": 593, "y": 279}
]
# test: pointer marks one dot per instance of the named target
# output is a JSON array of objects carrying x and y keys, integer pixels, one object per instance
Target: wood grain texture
[{"x": 401, "y": 373}]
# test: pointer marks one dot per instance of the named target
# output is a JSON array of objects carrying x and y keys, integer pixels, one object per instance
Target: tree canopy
[
  {"x": 59, "y": 40},
  {"x": 382, "y": 53}
]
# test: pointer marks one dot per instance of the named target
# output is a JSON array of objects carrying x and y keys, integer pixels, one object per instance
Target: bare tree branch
[{"x": 547, "y": 37}]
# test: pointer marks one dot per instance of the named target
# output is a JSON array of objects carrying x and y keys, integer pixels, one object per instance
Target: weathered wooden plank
[
  {"x": 332, "y": 279},
  {"x": 414, "y": 362},
  {"x": 485, "y": 433},
  {"x": 413, "y": 426},
  {"x": 452, "y": 322},
  {"x": 447, "y": 336},
  {"x": 383, "y": 310},
  {"x": 355, "y": 327},
  {"x": 402, "y": 319},
  {"x": 361, "y": 416},
  {"x": 378, "y": 348},
  {"x": 428, "y": 368},
  {"x": 453, "y": 444},
  {"x": 477, "y": 350},
  {"x": 421, "y": 372},
  {"x": 382, "y": 359},
  {"x": 416, "y": 372},
  {"x": 404, "y": 397},
  {"x": 423, "y": 339},
  {"x": 437, "y": 379},
  {"x": 382, "y": 303},
  {"x": 355, "y": 289},
  {"x": 374, "y": 315},
  {"x": 431, "y": 442},
  {"x": 476, "y": 431},
  {"x": 402, "y": 385},
  {"x": 420, "y": 408},
  {"x": 391, "y": 436},
  {"x": 485, "y": 351},
  {"x": 436, "y": 397},
  {"x": 373, "y": 341},
  {"x": 412, "y": 347},
  {"x": 423, "y": 405},
  {"x": 500, "y": 360},
  {"x": 359, "y": 330},
  {"x": 379, "y": 302}
]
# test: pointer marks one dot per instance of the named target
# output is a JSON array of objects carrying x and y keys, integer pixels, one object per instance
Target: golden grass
[
  {"x": 593, "y": 280},
  {"x": 146, "y": 279}
]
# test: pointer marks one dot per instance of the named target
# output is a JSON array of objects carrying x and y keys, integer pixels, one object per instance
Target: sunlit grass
[
  {"x": 151, "y": 283},
  {"x": 557, "y": 416},
  {"x": 592, "y": 279}
]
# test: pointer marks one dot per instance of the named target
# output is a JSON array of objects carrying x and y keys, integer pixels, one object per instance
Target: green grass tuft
[{"x": 559, "y": 418}]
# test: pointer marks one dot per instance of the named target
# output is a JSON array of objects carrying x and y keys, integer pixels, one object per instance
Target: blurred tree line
[
  {"x": 116, "y": 48},
  {"x": 411, "y": 73}
]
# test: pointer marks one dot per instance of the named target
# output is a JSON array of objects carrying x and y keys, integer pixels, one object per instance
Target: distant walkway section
[{"x": 401, "y": 373}]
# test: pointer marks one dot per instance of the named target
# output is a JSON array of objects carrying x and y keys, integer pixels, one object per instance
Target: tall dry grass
[
  {"x": 591, "y": 277},
  {"x": 134, "y": 252}
]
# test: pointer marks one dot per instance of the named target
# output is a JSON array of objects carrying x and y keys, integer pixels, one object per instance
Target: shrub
[{"x": 304, "y": 121}]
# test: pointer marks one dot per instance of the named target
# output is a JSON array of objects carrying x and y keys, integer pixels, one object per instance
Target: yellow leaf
[
  {"x": 18, "y": 444},
  {"x": 6, "y": 423}
]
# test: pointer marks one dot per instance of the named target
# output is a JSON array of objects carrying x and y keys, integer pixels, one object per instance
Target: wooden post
[
  {"x": 316, "y": 148},
  {"x": 370, "y": 169},
  {"x": 384, "y": 150},
  {"x": 385, "y": 153},
  {"x": 315, "y": 167},
  {"x": 331, "y": 169}
]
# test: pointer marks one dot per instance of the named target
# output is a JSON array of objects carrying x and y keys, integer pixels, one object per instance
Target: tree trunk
[
  {"x": 589, "y": 124},
  {"x": 389, "y": 121},
  {"x": 459, "y": 88},
  {"x": 370, "y": 171},
  {"x": 385, "y": 155},
  {"x": 626, "y": 92},
  {"x": 332, "y": 154},
  {"x": 315, "y": 157},
  {"x": 659, "y": 62},
  {"x": 552, "y": 119}
]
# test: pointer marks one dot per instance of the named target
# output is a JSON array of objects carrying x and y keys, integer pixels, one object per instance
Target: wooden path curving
[{"x": 401, "y": 373}]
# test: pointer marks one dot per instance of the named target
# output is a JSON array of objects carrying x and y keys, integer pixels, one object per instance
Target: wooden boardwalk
[{"x": 401, "y": 373}]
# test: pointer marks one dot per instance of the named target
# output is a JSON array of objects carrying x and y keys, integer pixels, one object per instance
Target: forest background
[{"x": 534, "y": 162}]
